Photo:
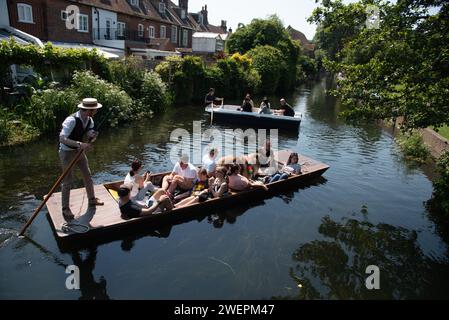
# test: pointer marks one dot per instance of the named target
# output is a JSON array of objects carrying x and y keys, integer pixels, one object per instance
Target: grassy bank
[{"x": 443, "y": 131}]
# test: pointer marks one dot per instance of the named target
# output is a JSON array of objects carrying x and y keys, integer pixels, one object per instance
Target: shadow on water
[
  {"x": 335, "y": 268},
  {"x": 90, "y": 288}
]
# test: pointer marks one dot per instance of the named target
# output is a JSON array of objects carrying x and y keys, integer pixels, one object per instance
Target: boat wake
[{"x": 6, "y": 235}]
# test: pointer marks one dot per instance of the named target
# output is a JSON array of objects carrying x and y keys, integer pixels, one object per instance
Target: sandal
[
  {"x": 95, "y": 202},
  {"x": 67, "y": 214}
]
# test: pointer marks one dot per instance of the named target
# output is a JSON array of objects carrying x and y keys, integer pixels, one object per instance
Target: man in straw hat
[{"x": 74, "y": 128}]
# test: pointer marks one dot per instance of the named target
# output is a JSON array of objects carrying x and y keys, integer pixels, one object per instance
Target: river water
[{"x": 314, "y": 242}]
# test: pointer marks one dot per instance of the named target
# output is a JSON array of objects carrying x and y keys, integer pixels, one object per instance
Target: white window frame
[
  {"x": 174, "y": 34},
  {"x": 64, "y": 13},
  {"x": 140, "y": 30},
  {"x": 163, "y": 34},
  {"x": 183, "y": 14},
  {"x": 185, "y": 38},
  {"x": 80, "y": 24},
  {"x": 23, "y": 7},
  {"x": 162, "y": 7},
  {"x": 151, "y": 32},
  {"x": 121, "y": 29},
  {"x": 134, "y": 3}
]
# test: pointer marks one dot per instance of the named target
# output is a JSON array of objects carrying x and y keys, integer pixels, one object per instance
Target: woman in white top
[
  {"x": 209, "y": 162},
  {"x": 265, "y": 107},
  {"x": 292, "y": 167},
  {"x": 140, "y": 184}
]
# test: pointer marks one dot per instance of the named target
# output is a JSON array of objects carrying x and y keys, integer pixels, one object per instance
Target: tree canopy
[
  {"x": 268, "y": 37},
  {"x": 401, "y": 67}
]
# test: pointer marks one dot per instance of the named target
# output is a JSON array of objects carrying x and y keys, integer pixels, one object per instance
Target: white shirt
[
  {"x": 132, "y": 181},
  {"x": 69, "y": 124},
  {"x": 189, "y": 172},
  {"x": 209, "y": 163},
  {"x": 135, "y": 190}
]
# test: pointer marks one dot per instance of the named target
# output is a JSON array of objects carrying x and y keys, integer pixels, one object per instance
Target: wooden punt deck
[{"x": 107, "y": 218}]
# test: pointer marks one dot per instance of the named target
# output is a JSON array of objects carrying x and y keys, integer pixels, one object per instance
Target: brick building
[{"x": 144, "y": 26}]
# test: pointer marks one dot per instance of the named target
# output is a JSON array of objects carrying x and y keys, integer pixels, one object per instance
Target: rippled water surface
[{"x": 313, "y": 242}]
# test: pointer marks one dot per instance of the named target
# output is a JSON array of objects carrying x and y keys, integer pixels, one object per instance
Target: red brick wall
[
  {"x": 37, "y": 27},
  {"x": 56, "y": 28},
  {"x": 47, "y": 23}
]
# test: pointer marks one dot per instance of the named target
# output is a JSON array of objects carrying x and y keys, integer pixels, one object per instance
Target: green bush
[
  {"x": 13, "y": 130},
  {"x": 441, "y": 184},
  {"x": 413, "y": 146},
  {"x": 129, "y": 75},
  {"x": 155, "y": 96},
  {"x": 50, "y": 59},
  {"x": 269, "y": 32},
  {"x": 86, "y": 84},
  {"x": 185, "y": 77},
  {"x": 239, "y": 78},
  {"x": 4, "y": 130},
  {"x": 269, "y": 63},
  {"x": 48, "y": 108}
]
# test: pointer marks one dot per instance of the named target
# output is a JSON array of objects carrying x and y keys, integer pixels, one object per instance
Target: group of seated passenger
[
  {"x": 186, "y": 185},
  {"x": 265, "y": 107}
]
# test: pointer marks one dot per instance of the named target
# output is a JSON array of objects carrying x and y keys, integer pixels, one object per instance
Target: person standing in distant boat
[
  {"x": 210, "y": 98},
  {"x": 74, "y": 128},
  {"x": 265, "y": 107}
]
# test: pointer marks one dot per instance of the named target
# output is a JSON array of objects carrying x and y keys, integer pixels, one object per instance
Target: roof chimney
[
  {"x": 184, "y": 4},
  {"x": 223, "y": 25},
  {"x": 204, "y": 13}
]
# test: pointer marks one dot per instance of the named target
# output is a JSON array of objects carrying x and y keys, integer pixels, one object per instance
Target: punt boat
[
  {"x": 232, "y": 114},
  {"x": 104, "y": 220}
]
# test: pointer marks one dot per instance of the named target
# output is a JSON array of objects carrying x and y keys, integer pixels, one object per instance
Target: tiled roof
[
  {"x": 193, "y": 17},
  {"x": 147, "y": 9},
  {"x": 298, "y": 35}
]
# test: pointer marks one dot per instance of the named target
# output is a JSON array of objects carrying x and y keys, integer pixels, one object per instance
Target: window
[
  {"x": 107, "y": 36},
  {"x": 183, "y": 14},
  {"x": 200, "y": 19},
  {"x": 174, "y": 34},
  {"x": 83, "y": 23},
  {"x": 151, "y": 32},
  {"x": 161, "y": 7},
  {"x": 163, "y": 32},
  {"x": 185, "y": 38},
  {"x": 140, "y": 30},
  {"x": 121, "y": 27},
  {"x": 64, "y": 15},
  {"x": 25, "y": 12},
  {"x": 134, "y": 3}
]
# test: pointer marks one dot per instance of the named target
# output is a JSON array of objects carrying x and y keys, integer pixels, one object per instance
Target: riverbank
[{"x": 435, "y": 142}]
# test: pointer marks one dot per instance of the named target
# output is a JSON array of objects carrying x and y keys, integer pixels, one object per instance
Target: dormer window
[
  {"x": 162, "y": 7},
  {"x": 200, "y": 19},
  {"x": 134, "y": 3},
  {"x": 183, "y": 13}
]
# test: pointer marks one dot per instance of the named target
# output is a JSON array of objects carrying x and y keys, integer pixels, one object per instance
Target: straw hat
[{"x": 90, "y": 104}]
